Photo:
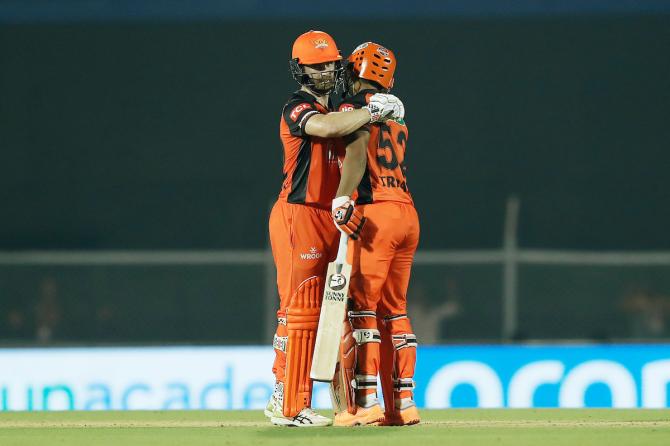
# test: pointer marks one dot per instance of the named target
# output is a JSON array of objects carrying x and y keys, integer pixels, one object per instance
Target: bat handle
[{"x": 342, "y": 250}]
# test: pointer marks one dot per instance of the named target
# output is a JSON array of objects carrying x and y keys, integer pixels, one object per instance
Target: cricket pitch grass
[{"x": 472, "y": 427}]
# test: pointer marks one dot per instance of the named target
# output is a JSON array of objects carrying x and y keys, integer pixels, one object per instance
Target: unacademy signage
[{"x": 623, "y": 376}]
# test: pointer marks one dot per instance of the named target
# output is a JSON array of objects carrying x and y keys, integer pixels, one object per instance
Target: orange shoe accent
[
  {"x": 364, "y": 416},
  {"x": 404, "y": 417}
]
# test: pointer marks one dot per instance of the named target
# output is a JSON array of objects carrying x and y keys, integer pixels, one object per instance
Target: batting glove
[
  {"x": 384, "y": 106},
  {"x": 347, "y": 219}
]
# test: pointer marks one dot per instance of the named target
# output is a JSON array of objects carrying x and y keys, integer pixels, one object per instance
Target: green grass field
[{"x": 439, "y": 427}]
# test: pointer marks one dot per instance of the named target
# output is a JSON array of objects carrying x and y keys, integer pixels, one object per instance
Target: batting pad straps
[
  {"x": 401, "y": 384},
  {"x": 356, "y": 314},
  {"x": 405, "y": 340},
  {"x": 365, "y": 335},
  {"x": 279, "y": 393},
  {"x": 365, "y": 382},
  {"x": 279, "y": 342},
  {"x": 364, "y": 323}
]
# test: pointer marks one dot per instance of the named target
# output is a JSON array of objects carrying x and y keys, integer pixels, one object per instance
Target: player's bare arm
[
  {"x": 347, "y": 219},
  {"x": 381, "y": 106},
  {"x": 355, "y": 160},
  {"x": 337, "y": 124}
]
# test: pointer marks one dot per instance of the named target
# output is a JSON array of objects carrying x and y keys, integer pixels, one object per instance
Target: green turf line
[{"x": 472, "y": 427}]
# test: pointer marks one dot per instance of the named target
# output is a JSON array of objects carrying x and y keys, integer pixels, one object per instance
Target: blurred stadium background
[{"x": 140, "y": 157}]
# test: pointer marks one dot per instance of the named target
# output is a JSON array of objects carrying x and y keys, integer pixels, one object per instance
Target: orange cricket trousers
[
  {"x": 304, "y": 240},
  {"x": 381, "y": 264},
  {"x": 382, "y": 259}
]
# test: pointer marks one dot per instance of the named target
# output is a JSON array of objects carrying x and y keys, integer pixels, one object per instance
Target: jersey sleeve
[{"x": 296, "y": 114}]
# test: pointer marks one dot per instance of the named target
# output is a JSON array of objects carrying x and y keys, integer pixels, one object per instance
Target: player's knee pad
[{"x": 302, "y": 319}]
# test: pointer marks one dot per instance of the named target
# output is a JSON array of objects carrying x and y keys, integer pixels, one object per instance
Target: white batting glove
[
  {"x": 347, "y": 219},
  {"x": 398, "y": 107},
  {"x": 401, "y": 110},
  {"x": 384, "y": 106}
]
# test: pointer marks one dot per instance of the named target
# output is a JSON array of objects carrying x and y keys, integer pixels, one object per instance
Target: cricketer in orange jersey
[
  {"x": 374, "y": 178},
  {"x": 302, "y": 234}
]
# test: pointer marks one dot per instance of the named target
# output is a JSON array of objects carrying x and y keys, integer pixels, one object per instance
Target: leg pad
[
  {"x": 302, "y": 319},
  {"x": 398, "y": 360}
]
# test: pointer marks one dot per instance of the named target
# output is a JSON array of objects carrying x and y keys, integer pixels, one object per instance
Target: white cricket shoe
[
  {"x": 306, "y": 418},
  {"x": 272, "y": 407},
  {"x": 276, "y": 402}
]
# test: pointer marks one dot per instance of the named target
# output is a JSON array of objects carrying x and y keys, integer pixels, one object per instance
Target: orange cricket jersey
[
  {"x": 311, "y": 171},
  {"x": 385, "y": 175}
]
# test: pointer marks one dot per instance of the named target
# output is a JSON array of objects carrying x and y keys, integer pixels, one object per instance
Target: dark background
[{"x": 164, "y": 135}]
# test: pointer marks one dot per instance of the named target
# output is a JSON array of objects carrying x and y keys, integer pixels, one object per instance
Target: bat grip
[{"x": 342, "y": 250}]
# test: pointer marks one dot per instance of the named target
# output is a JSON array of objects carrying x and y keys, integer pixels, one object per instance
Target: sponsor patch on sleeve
[{"x": 299, "y": 109}]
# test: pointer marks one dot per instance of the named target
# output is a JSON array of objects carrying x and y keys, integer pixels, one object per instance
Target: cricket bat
[{"x": 333, "y": 308}]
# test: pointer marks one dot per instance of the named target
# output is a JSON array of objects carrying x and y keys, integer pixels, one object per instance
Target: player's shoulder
[{"x": 299, "y": 103}]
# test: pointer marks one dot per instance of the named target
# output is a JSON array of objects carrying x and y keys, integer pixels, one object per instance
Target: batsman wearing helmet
[
  {"x": 302, "y": 233},
  {"x": 378, "y": 337}
]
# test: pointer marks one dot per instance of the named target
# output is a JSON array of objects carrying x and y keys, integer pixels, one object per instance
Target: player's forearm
[
  {"x": 337, "y": 124},
  {"x": 353, "y": 167}
]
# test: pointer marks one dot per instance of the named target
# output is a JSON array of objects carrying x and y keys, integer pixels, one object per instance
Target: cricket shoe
[
  {"x": 306, "y": 418},
  {"x": 273, "y": 407},
  {"x": 404, "y": 414},
  {"x": 364, "y": 416}
]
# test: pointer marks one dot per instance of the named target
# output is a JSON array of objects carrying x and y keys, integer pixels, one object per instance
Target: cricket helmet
[
  {"x": 313, "y": 48},
  {"x": 373, "y": 62}
]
